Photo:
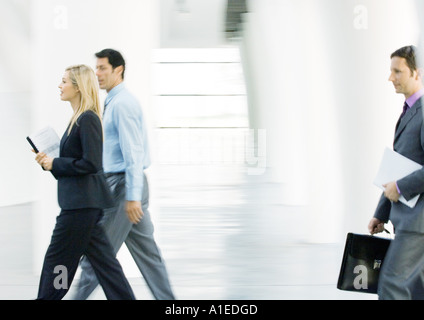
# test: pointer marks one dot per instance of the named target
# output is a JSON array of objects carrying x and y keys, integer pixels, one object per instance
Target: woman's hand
[{"x": 45, "y": 161}]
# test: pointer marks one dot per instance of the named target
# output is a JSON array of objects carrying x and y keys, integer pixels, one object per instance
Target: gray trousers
[
  {"x": 402, "y": 274},
  {"x": 138, "y": 239}
]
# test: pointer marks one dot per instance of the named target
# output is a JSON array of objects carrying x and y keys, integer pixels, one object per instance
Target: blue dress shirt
[{"x": 125, "y": 147}]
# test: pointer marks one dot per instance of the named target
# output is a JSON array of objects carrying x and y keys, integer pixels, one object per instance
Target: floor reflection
[{"x": 224, "y": 234}]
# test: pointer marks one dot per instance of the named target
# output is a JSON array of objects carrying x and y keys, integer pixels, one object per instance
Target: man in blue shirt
[{"x": 125, "y": 156}]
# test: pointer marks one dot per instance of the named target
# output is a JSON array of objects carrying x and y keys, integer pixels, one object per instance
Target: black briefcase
[{"x": 363, "y": 258}]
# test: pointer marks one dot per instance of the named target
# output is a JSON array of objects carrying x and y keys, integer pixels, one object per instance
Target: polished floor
[{"x": 222, "y": 232}]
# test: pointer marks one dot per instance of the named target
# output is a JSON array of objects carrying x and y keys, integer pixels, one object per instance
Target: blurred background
[{"x": 267, "y": 123}]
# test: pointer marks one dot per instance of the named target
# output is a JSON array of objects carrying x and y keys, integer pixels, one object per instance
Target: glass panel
[
  {"x": 196, "y": 55},
  {"x": 199, "y": 87},
  {"x": 198, "y": 79},
  {"x": 203, "y": 111}
]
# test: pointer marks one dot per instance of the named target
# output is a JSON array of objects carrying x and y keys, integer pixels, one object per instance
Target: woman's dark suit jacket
[{"x": 79, "y": 169}]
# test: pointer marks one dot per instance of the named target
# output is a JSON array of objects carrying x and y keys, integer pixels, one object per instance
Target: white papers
[
  {"x": 46, "y": 140},
  {"x": 393, "y": 167}
]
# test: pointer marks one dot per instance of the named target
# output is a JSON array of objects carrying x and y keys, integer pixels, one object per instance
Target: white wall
[
  {"x": 15, "y": 183},
  {"x": 70, "y": 33}
]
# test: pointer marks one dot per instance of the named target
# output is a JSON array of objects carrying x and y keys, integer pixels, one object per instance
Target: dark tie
[
  {"x": 405, "y": 108},
  {"x": 104, "y": 108}
]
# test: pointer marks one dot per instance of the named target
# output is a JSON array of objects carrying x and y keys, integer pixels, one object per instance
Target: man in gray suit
[
  {"x": 125, "y": 156},
  {"x": 402, "y": 274}
]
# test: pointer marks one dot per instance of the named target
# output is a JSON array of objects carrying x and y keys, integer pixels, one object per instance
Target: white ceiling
[{"x": 192, "y": 23}]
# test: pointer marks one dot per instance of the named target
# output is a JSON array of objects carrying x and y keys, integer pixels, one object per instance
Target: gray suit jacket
[{"x": 409, "y": 141}]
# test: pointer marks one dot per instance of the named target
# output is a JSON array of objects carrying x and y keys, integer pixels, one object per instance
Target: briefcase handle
[{"x": 386, "y": 231}]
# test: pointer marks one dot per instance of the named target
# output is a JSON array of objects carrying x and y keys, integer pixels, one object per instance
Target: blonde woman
[{"x": 82, "y": 196}]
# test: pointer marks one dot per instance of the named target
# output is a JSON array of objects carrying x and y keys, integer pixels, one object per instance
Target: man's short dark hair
[
  {"x": 115, "y": 58},
  {"x": 409, "y": 54}
]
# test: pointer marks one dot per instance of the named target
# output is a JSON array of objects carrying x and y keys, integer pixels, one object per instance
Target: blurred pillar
[
  {"x": 271, "y": 50},
  {"x": 367, "y": 105},
  {"x": 317, "y": 82},
  {"x": 68, "y": 33},
  {"x": 420, "y": 16},
  {"x": 289, "y": 96}
]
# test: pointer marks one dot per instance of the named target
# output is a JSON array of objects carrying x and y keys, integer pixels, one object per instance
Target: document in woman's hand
[{"x": 45, "y": 140}]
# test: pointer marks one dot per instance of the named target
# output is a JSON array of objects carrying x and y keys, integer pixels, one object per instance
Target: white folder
[
  {"x": 393, "y": 167},
  {"x": 45, "y": 140}
]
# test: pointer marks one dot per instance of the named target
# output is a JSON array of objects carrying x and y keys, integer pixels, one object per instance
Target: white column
[
  {"x": 275, "y": 104},
  {"x": 71, "y": 32},
  {"x": 361, "y": 35},
  {"x": 317, "y": 82},
  {"x": 420, "y": 13},
  {"x": 287, "y": 80}
]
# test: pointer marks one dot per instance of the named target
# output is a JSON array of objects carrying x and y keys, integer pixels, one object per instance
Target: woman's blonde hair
[{"x": 84, "y": 79}]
